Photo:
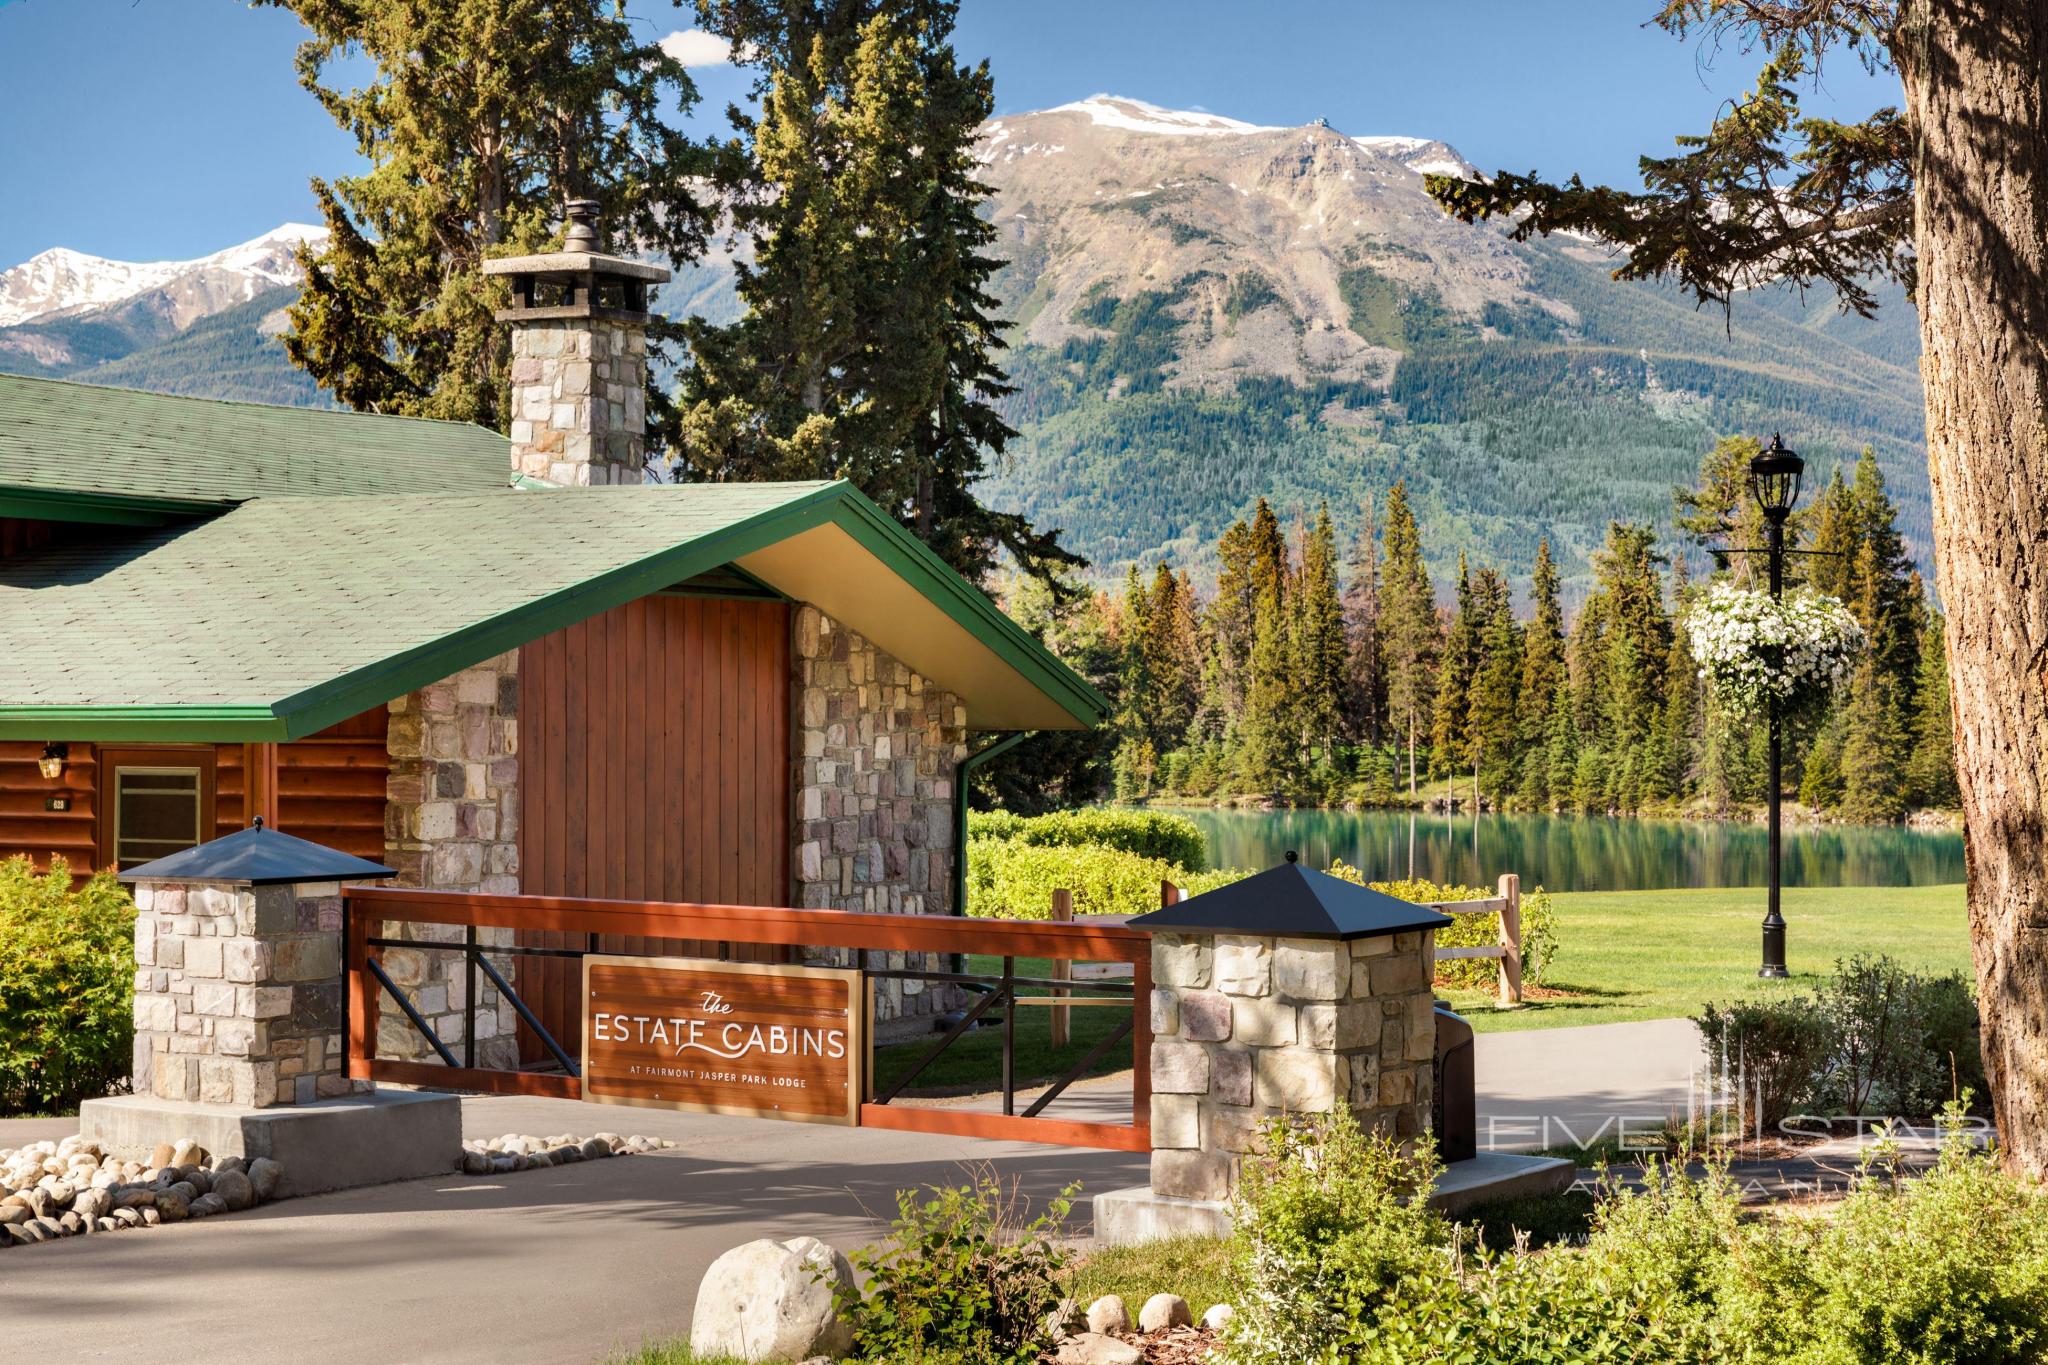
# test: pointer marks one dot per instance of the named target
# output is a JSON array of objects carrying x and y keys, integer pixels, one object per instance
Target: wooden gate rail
[
  {"x": 367, "y": 910},
  {"x": 1508, "y": 951}
]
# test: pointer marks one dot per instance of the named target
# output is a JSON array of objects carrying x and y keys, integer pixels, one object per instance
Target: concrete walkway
[{"x": 574, "y": 1263}]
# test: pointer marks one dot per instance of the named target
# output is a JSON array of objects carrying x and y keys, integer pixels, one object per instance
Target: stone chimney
[{"x": 579, "y": 358}]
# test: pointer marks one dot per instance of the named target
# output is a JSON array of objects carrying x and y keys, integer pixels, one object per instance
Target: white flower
[{"x": 1753, "y": 650}]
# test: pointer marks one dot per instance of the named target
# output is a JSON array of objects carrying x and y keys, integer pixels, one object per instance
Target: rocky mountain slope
[{"x": 1206, "y": 311}]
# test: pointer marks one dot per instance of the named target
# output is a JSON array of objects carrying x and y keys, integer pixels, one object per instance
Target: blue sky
[{"x": 154, "y": 129}]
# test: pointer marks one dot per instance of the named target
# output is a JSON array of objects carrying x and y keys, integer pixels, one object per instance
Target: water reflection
[{"x": 1580, "y": 853}]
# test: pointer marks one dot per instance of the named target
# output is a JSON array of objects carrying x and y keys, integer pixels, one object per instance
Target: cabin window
[{"x": 154, "y": 804}]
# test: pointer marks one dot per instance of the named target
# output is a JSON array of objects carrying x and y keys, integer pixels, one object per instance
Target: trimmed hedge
[
  {"x": 67, "y": 987},
  {"x": 1011, "y": 879},
  {"x": 1149, "y": 834}
]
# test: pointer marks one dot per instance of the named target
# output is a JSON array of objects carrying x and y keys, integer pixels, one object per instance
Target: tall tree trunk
[{"x": 1974, "y": 76}]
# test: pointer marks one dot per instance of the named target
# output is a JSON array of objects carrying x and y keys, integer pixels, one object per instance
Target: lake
[{"x": 1579, "y": 853}]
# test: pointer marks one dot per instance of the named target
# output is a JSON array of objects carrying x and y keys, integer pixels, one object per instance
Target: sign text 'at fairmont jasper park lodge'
[{"x": 723, "y": 1037}]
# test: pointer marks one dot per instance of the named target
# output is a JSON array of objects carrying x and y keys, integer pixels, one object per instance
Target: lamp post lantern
[{"x": 1774, "y": 483}]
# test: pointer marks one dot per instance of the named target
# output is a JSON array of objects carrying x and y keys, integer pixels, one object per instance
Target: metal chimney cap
[{"x": 582, "y": 216}]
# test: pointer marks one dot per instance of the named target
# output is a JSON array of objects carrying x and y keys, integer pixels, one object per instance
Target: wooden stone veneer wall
[
  {"x": 452, "y": 824},
  {"x": 877, "y": 751}
]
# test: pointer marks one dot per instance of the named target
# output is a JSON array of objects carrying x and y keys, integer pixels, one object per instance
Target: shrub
[
  {"x": 1149, "y": 834},
  {"x": 67, "y": 983},
  {"x": 1325, "y": 1235},
  {"x": 1770, "y": 1052},
  {"x": 1893, "y": 1032},
  {"x": 956, "y": 1282},
  {"x": 1009, "y": 879},
  {"x": 1539, "y": 927}
]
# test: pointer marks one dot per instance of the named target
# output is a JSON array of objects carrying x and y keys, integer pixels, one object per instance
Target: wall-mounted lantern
[{"x": 51, "y": 764}]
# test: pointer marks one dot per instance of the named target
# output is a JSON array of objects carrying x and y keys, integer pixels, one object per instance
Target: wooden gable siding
[
  {"x": 330, "y": 790},
  {"x": 654, "y": 764}
]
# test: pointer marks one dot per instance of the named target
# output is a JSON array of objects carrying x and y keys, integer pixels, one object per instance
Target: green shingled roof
[
  {"x": 286, "y": 615},
  {"x": 82, "y": 452}
]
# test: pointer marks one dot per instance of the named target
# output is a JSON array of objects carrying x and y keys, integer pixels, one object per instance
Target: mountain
[
  {"x": 1208, "y": 310},
  {"x": 187, "y": 326}
]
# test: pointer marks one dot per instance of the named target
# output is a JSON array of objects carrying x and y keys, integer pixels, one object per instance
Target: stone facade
[
  {"x": 1248, "y": 1028},
  {"x": 877, "y": 752},
  {"x": 238, "y": 993},
  {"x": 451, "y": 823},
  {"x": 579, "y": 401}
]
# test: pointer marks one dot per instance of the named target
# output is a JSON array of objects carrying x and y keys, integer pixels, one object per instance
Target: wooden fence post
[
  {"x": 1510, "y": 939},
  {"x": 1062, "y": 967}
]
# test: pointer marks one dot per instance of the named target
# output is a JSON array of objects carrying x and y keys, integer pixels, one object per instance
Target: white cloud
[{"x": 695, "y": 47}]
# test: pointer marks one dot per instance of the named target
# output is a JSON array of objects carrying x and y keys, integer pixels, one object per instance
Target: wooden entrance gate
[{"x": 380, "y": 918}]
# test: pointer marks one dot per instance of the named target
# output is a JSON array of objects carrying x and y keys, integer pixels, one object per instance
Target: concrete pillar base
[
  {"x": 328, "y": 1145},
  {"x": 1134, "y": 1216}
]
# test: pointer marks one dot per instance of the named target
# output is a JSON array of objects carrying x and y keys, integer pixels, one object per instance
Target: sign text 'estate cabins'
[{"x": 724, "y": 1037}]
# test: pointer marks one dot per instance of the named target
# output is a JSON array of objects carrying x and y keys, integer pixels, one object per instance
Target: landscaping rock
[
  {"x": 474, "y": 1163},
  {"x": 188, "y": 1152},
  {"x": 1218, "y": 1317},
  {"x": 171, "y": 1204},
  {"x": 595, "y": 1148},
  {"x": 160, "y": 1155},
  {"x": 1065, "y": 1319},
  {"x": 1093, "y": 1348},
  {"x": 1162, "y": 1311},
  {"x": 93, "y": 1203},
  {"x": 206, "y": 1205},
  {"x": 1108, "y": 1314},
  {"x": 233, "y": 1189},
  {"x": 264, "y": 1175},
  {"x": 773, "y": 1301}
]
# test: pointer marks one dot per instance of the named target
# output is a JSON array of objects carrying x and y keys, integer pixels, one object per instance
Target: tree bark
[{"x": 1974, "y": 77}]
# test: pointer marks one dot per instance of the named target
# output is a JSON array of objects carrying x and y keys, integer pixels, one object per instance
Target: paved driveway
[{"x": 570, "y": 1264}]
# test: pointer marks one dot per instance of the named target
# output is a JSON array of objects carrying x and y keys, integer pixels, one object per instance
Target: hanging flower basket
[{"x": 1753, "y": 651}]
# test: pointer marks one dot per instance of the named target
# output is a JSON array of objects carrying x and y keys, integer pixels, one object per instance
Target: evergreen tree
[
  {"x": 1931, "y": 771},
  {"x": 1319, "y": 675},
  {"x": 478, "y": 121},
  {"x": 1269, "y": 748},
  {"x": 1231, "y": 617},
  {"x": 1460, "y": 663},
  {"x": 1837, "y": 534},
  {"x": 1367, "y": 694},
  {"x": 868, "y": 350},
  {"x": 1492, "y": 717},
  {"x": 1543, "y": 648},
  {"x": 1409, "y": 626}
]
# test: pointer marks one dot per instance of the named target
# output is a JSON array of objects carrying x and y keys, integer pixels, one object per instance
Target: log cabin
[{"x": 504, "y": 664}]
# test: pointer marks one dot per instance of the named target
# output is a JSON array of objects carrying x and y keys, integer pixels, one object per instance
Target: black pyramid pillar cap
[
  {"x": 259, "y": 857},
  {"x": 1290, "y": 901}
]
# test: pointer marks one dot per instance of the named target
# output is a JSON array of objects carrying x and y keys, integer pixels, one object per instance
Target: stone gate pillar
[
  {"x": 239, "y": 1022},
  {"x": 1292, "y": 992}
]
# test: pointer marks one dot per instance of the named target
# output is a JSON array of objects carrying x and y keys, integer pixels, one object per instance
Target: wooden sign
[{"x": 724, "y": 1037}]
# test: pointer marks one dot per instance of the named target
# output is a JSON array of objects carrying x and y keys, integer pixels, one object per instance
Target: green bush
[
  {"x": 1149, "y": 834},
  {"x": 1876, "y": 1038},
  {"x": 1332, "y": 1265},
  {"x": 67, "y": 985},
  {"x": 1010, "y": 879},
  {"x": 1770, "y": 1051},
  {"x": 957, "y": 1282},
  {"x": 1539, "y": 927}
]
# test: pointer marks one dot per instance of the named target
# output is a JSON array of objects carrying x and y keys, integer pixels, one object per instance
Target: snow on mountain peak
[
  {"x": 61, "y": 281},
  {"x": 1136, "y": 116}
]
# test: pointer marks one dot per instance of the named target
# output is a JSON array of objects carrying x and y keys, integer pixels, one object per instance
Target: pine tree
[
  {"x": 1410, "y": 629},
  {"x": 1543, "y": 648},
  {"x": 1319, "y": 673},
  {"x": 477, "y": 122},
  {"x": 1493, "y": 721},
  {"x": 1931, "y": 771},
  {"x": 1269, "y": 747},
  {"x": 1837, "y": 534},
  {"x": 1231, "y": 616},
  {"x": 1367, "y": 694},
  {"x": 868, "y": 351},
  {"x": 1451, "y": 715}
]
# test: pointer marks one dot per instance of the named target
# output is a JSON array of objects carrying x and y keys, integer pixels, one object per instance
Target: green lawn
[
  {"x": 975, "y": 1060},
  {"x": 1661, "y": 954}
]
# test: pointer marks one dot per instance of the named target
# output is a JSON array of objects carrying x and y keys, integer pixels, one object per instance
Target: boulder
[
  {"x": 1162, "y": 1311},
  {"x": 206, "y": 1205},
  {"x": 1093, "y": 1348},
  {"x": 773, "y": 1301},
  {"x": 187, "y": 1152},
  {"x": 172, "y": 1205},
  {"x": 476, "y": 1163},
  {"x": 160, "y": 1155},
  {"x": 230, "y": 1163},
  {"x": 265, "y": 1176},
  {"x": 93, "y": 1203},
  {"x": 1218, "y": 1317},
  {"x": 594, "y": 1148},
  {"x": 233, "y": 1189},
  {"x": 1108, "y": 1314},
  {"x": 135, "y": 1197}
]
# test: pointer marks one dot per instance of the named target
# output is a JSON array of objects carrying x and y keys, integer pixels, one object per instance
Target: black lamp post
[{"x": 1774, "y": 483}]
